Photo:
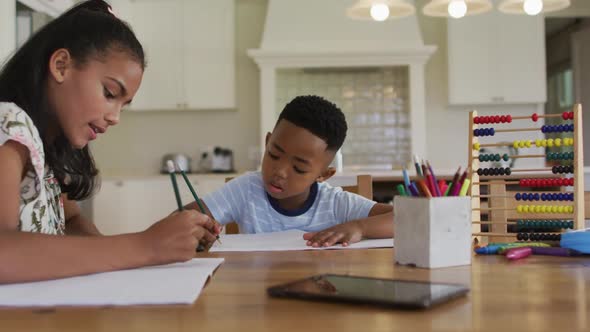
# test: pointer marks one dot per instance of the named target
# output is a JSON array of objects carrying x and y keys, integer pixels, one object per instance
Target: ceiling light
[
  {"x": 380, "y": 10},
  {"x": 532, "y": 7},
  {"x": 456, "y": 8}
]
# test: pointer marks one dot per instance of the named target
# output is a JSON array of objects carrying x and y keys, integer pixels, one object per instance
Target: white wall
[{"x": 7, "y": 29}]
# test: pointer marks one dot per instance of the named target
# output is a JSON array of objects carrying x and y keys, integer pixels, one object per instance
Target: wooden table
[{"x": 534, "y": 294}]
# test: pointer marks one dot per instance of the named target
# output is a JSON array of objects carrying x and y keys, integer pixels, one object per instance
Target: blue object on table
[
  {"x": 488, "y": 250},
  {"x": 576, "y": 240}
]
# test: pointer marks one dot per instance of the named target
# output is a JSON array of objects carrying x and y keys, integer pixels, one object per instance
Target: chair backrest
[{"x": 363, "y": 187}]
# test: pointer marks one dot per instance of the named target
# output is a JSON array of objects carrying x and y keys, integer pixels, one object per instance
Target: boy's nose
[{"x": 281, "y": 171}]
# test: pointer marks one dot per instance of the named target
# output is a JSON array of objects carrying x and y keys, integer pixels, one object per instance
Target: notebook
[
  {"x": 283, "y": 241},
  {"x": 179, "y": 283}
]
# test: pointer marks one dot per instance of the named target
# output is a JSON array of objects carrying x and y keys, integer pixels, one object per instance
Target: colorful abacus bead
[{"x": 557, "y": 142}]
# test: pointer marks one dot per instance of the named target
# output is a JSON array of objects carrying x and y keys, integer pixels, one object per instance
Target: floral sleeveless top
[{"x": 41, "y": 207}]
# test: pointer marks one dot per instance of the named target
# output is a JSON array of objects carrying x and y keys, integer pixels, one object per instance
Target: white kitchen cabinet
[
  {"x": 52, "y": 8},
  {"x": 133, "y": 204},
  {"x": 496, "y": 58},
  {"x": 190, "y": 51},
  {"x": 7, "y": 30}
]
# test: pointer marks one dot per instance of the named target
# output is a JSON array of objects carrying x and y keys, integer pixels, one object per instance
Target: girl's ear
[
  {"x": 59, "y": 63},
  {"x": 326, "y": 174}
]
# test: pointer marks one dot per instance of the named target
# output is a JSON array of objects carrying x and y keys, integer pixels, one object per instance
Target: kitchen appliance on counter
[
  {"x": 217, "y": 160},
  {"x": 182, "y": 160}
]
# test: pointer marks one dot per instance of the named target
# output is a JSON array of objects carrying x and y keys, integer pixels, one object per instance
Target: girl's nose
[{"x": 112, "y": 118}]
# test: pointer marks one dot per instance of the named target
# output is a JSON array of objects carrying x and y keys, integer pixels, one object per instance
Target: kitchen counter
[{"x": 148, "y": 176}]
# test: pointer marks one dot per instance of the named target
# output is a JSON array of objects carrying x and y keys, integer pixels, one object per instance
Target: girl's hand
[
  {"x": 346, "y": 234},
  {"x": 176, "y": 237}
]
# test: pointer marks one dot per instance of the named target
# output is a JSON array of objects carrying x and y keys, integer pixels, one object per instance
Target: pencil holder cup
[{"x": 432, "y": 232}]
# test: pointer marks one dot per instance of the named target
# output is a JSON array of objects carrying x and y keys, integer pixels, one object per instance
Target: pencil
[
  {"x": 172, "y": 172},
  {"x": 194, "y": 193},
  {"x": 454, "y": 182},
  {"x": 190, "y": 187},
  {"x": 417, "y": 164},
  {"x": 170, "y": 166},
  {"x": 424, "y": 188},
  {"x": 436, "y": 187},
  {"x": 457, "y": 188}
]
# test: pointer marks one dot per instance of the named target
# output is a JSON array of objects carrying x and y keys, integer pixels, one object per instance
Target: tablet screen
[{"x": 370, "y": 290}]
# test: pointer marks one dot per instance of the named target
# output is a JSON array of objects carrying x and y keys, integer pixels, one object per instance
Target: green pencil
[
  {"x": 172, "y": 172},
  {"x": 194, "y": 193},
  {"x": 170, "y": 165}
]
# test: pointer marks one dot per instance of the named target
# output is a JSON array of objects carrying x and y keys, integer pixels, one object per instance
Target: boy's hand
[
  {"x": 346, "y": 234},
  {"x": 175, "y": 238}
]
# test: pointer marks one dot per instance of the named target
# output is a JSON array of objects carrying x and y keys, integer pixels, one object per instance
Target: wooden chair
[{"x": 363, "y": 187}]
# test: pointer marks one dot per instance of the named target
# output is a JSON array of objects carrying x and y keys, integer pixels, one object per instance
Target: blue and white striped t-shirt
[{"x": 245, "y": 201}]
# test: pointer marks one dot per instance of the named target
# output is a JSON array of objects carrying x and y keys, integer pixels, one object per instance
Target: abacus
[{"x": 560, "y": 210}]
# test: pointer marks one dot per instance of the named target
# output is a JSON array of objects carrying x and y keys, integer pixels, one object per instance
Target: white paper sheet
[
  {"x": 283, "y": 241},
  {"x": 179, "y": 283}
]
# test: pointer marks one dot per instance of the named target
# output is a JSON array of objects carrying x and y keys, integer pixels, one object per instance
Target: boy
[{"x": 290, "y": 192}]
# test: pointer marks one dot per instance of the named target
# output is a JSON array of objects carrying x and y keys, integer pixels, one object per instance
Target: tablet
[{"x": 384, "y": 292}]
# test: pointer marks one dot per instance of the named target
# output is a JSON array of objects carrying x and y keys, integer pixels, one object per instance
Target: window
[{"x": 376, "y": 104}]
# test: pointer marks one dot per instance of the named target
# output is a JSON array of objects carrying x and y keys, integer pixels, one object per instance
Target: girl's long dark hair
[{"x": 87, "y": 30}]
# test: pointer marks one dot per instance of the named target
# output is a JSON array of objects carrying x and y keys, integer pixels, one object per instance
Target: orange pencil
[{"x": 424, "y": 188}]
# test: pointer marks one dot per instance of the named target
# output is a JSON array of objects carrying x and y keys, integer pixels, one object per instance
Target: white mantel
[{"x": 317, "y": 34}]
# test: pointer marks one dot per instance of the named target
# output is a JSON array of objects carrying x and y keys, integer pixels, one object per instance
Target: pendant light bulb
[
  {"x": 379, "y": 12},
  {"x": 532, "y": 7},
  {"x": 457, "y": 8}
]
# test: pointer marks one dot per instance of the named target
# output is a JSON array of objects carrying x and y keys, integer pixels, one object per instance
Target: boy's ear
[
  {"x": 326, "y": 174},
  {"x": 59, "y": 63}
]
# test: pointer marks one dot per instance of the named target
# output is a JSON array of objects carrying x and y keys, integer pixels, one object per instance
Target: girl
[{"x": 62, "y": 89}]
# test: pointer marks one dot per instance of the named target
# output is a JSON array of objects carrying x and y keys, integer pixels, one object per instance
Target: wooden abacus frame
[{"x": 501, "y": 206}]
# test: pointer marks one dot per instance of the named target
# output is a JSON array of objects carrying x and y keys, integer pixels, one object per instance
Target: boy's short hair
[{"x": 321, "y": 117}]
